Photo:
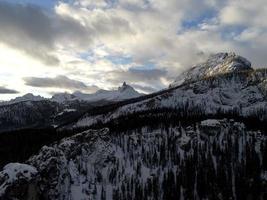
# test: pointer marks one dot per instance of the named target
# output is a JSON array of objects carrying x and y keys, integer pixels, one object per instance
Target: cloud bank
[{"x": 59, "y": 82}]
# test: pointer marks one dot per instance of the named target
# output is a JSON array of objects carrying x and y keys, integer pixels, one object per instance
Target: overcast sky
[{"x": 55, "y": 46}]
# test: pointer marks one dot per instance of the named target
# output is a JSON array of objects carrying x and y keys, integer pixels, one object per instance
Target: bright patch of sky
[
  {"x": 119, "y": 60},
  {"x": 195, "y": 22}
]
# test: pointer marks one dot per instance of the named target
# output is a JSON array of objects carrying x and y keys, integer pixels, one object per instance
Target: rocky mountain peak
[
  {"x": 62, "y": 97},
  {"x": 219, "y": 63},
  {"x": 226, "y": 62},
  {"x": 125, "y": 87},
  {"x": 26, "y": 97}
]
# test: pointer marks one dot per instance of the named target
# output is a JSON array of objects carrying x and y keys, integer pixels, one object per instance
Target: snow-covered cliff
[{"x": 212, "y": 159}]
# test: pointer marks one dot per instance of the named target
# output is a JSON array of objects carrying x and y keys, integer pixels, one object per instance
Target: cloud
[
  {"x": 56, "y": 82},
  {"x": 27, "y": 28},
  {"x": 4, "y": 90},
  {"x": 147, "y": 31},
  {"x": 247, "y": 13},
  {"x": 135, "y": 75},
  {"x": 85, "y": 37},
  {"x": 150, "y": 30},
  {"x": 39, "y": 33}
]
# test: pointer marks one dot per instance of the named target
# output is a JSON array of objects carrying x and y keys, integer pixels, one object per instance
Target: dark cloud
[
  {"x": 142, "y": 79},
  {"x": 36, "y": 32},
  {"x": 4, "y": 90},
  {"x": 57, "y": 82},
  {"x": 135, "y": 75},
  {"x": 27, "y": 28},
  {"x": 88, "y": 89},
  {"x": 30, "y": 29}
]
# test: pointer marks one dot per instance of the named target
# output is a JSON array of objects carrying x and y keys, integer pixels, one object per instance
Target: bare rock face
[{"x": 216, "y": 64}]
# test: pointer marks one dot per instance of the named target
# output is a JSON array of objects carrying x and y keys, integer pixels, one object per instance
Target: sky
[{"x": 84, "y": 45}]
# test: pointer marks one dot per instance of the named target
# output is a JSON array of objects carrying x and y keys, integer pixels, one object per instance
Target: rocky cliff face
[{"x": 212, "y": 159}]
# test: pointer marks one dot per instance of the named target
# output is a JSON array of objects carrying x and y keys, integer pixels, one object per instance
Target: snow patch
[
  {"x": 210, "y": 123},
  {"x": 13, "y": 172}
]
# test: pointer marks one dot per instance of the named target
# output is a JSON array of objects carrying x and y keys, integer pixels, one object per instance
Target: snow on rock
[
  {"x": 210, "y": 123},
  {"x": 67, "y": 110},
  {"x": 100, "y": 164},
  {"x": 63, "y": 97},
  {"x": 264, "y": 176},
  {"x": 216, "y": 64},
  {"x": 15, "y": 172}
]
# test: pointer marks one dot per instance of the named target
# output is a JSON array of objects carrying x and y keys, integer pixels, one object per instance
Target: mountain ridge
[
  {"x": 123, "y": 92},
  {"x": 31, "y": 111}
]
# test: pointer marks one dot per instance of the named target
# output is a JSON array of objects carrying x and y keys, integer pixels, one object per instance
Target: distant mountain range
[
  {"x": 123, "y": 92},
  {"x": 35, "y": 111}
]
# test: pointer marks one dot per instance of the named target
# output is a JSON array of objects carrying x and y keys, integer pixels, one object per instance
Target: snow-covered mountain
[
  {"x": 216, "y": 64},
  {"x": 24, "y": 98},
  {"x": 31, "y": 111},
  {"x": 63, "y": 97},
  {"x": 122, "y": 93},
  {"x": 212, "y": 159}
]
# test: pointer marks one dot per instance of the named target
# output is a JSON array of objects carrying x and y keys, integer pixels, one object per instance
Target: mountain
[
  {"x": 202, "y": 138},
  {"x": 220, "y": 63},
  {"x": 211, "y": 159},
  {"x": 24, "y": 98},
  {"x": 39, "y": 114},
  {"x": 122, "y": 93},
  {"x": 31, "y": 111},
  {"x": 63, "y": 97}
]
